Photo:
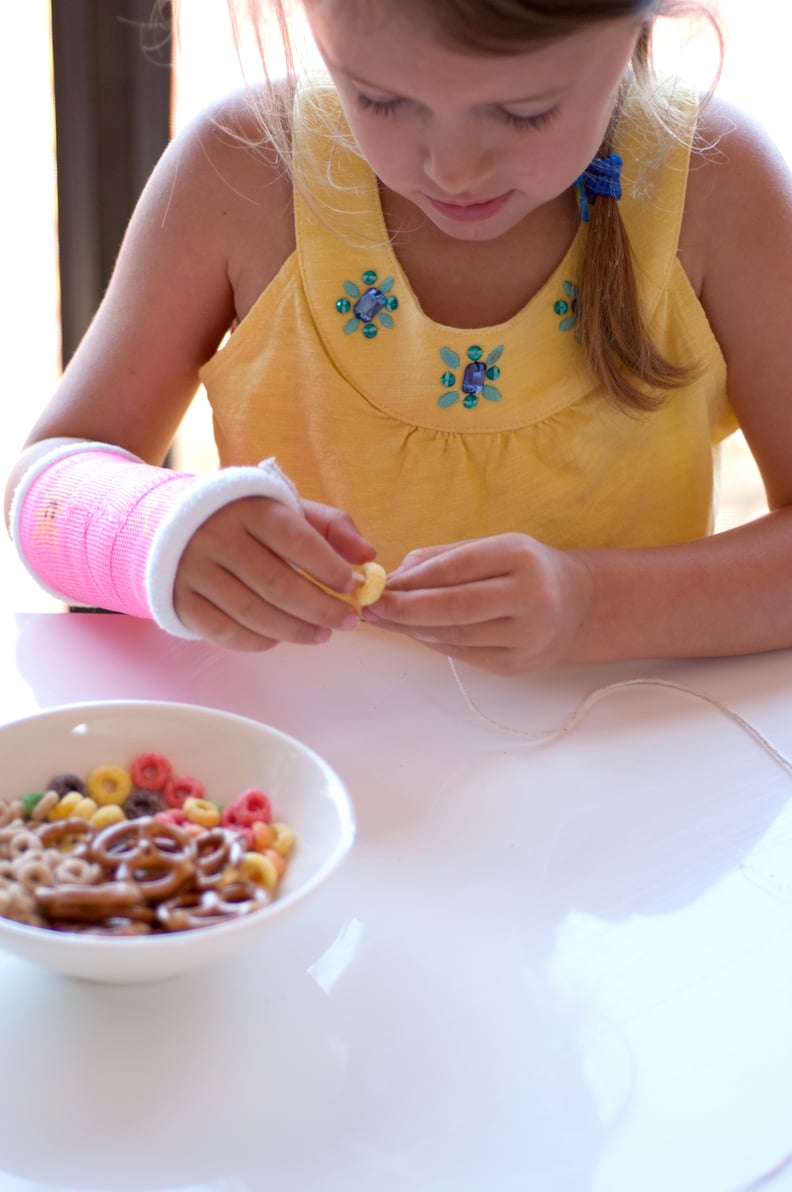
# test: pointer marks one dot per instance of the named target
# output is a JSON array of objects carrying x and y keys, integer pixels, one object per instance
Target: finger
[
  {"x": 270, "y": 614},
  {"x": 448, "y": 566},
  {"x": 418, "y": 556},
  {"x": 440, "y": 607},
  {"x": 240, "y": 543},
  {"x": 340, "y": 531},
  {"x": 370, "y": 585},
  {"x": 211, "y": 623},
  {"x": 296, "y": 541},
  {"x": 495, "y": 632}
]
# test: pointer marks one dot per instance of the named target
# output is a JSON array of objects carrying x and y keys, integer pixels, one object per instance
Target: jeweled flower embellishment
[
  {"x": 477, "y": 374},
  {"x": 567, "y": 307},
  {"x": 371, "y": 306}
]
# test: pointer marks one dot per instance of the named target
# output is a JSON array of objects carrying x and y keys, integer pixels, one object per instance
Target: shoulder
[
  {"x": 224, "y": 186},
  {"x": 223, "y": 152},
  {"x": 737, "y": 248},
  {"x": 739, "y": 193}
]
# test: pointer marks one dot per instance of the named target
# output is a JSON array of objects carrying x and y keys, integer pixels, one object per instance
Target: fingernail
[
  {"x": 322, "y": 635},
  {"x": 350, "y": 621}
]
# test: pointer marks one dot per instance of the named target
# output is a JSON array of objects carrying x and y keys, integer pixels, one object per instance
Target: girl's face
[{"x": 476, "y": 142}]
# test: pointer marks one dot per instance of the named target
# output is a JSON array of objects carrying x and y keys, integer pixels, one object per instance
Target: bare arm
[
  {"x": 730, "y": 593},
  {"x": 212, "y": 229},
  {"x": 176, "y": 288}
]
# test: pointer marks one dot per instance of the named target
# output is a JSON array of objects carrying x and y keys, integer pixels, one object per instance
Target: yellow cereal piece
[
  {"x": 108, "y": 784},
  {"x": 110, "y": 813},
  {"x": 282, "y": 839},
  {"x": 262, "y": 868},
  {"x": 85, "y": 809},
  {"x": 66, "y": 807},
  {"x": 201, "y": 811},
  {"x": 370, "y": 586}
]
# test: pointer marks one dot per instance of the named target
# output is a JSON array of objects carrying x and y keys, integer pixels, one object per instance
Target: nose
[{"x": 456, "y": 163}]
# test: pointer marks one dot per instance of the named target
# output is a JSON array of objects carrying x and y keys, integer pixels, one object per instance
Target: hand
[
  {"x": 239, "y": 584},
  {"x": 507, "y": 604}
]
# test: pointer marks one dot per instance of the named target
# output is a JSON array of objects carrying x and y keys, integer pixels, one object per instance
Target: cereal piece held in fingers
[{"x": 371, "y": 585}]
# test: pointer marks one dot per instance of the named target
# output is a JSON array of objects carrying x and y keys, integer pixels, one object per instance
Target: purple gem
[
  {"x": 474, "y": 378},
  {"x": 369, "y": 305}
]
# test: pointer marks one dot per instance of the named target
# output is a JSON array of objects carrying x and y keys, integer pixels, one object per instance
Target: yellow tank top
[{"x": 429, "y": 434}]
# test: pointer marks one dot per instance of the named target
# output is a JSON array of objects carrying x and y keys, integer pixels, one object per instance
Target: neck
[{"x": 481, "y": 283}]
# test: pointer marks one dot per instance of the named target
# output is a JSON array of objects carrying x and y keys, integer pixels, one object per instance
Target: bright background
[{"x": 206, "y": 66}]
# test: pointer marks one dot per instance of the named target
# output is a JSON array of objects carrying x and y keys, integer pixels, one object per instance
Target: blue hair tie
[{"x": 603, "y": 177}]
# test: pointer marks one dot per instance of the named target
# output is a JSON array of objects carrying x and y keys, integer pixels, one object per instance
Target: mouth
[{"x": 470, "y": 212}]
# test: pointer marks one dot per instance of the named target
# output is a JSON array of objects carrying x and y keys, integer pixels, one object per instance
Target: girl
[{"x": 497, "y": 297}]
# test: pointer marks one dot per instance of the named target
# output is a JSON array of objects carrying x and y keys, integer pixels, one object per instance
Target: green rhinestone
[
  {"x": 391, "y": 303},
  {"x": 475, "y": 353},
  {"x": 493, "y": 373},
  {"x": 561, "y": 307},
  {"x": 448, "y": 379},
  {"x": 470, "y": 400},
  {"x": 369, "y": 277},
  {"x": 370, "y": 330},
  {"x": 343, "y": 306}
]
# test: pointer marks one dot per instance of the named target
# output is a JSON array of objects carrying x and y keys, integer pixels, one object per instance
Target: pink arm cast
[{"x": 95, "y": 525}]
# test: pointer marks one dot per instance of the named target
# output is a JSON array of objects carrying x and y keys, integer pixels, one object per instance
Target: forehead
[
  {"x": 386, "y": 52},
  {"x": 481, "y": 26}
]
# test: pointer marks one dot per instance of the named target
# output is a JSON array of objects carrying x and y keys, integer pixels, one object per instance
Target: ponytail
[{"x": 611, "y": 328}]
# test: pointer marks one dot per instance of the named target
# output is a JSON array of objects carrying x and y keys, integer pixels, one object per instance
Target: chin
[{"x": 474, "y": 231}]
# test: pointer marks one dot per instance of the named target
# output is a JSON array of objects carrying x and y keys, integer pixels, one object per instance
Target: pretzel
[
  {"x": 87, "y": 904},
  {"x": 62, "y": 832},
  {"x": 206, "y": 908},
  {"x": 215, "y": 850},
  {"x": 158, "y": 856}
]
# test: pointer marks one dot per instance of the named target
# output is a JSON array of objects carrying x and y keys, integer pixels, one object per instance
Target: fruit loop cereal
[{"x": 137, "y": 851}]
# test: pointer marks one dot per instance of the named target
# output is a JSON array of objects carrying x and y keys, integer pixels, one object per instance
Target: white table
[{"x": 555, "y": 968}]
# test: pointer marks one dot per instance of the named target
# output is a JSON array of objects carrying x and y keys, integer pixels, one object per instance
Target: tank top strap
[{"x": 653, "y": 200}]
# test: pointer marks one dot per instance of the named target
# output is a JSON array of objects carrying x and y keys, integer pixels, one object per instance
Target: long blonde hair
[{"x": 610, "y": 325}]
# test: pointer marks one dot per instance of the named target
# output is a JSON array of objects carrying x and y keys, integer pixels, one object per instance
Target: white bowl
[{"x": 229, "y": 754}]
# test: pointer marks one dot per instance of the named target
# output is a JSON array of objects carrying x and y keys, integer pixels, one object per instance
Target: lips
[{"x": 470, "y": 212}]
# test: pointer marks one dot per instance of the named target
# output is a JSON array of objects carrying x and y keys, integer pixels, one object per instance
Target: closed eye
[
  {"x": 379, "y": 107},
  {"x": 386, "y": 107},
  {"x": 540, "y": 120}
]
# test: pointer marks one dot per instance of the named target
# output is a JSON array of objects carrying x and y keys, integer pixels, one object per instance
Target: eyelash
[
  {"x": 378, "y": 107},
  {"x": 386, "y": 107},
  {"x": 529, "y": 123}
]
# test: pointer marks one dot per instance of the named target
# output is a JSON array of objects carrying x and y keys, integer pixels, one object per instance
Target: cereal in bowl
[{"x": 137, "y": 850}]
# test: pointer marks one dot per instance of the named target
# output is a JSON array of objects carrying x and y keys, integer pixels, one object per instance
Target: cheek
[
  {"x": 561, "y": 161},
  {"x": 387, "y": 152}
]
